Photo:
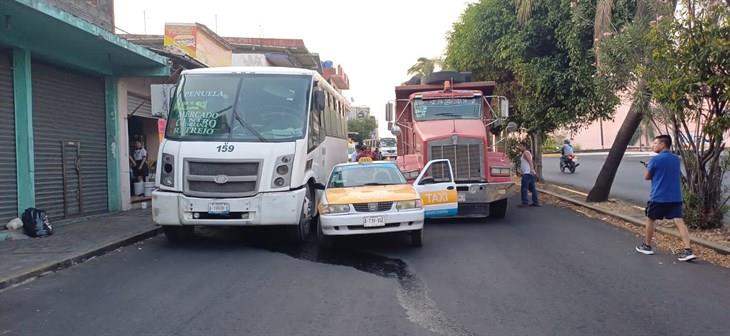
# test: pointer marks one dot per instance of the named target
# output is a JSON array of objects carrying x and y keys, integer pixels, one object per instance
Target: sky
[{"x": 375, "y": 41}]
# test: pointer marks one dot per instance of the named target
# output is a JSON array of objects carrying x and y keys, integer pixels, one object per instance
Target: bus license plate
[
  {"x": 374, "y": 221},
  {"x": 219, "y": 208},
  {"x": 462, "y": 197}
]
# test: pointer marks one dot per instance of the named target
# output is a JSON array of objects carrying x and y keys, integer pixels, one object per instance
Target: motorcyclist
[{"x": 566, "y": 151}]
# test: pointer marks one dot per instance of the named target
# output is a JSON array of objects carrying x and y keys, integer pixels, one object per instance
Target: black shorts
[
  {"x": 658, "y": 210},
  {"x": 143, "y": 172}
]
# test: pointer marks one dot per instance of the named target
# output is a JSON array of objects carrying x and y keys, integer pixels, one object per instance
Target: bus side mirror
[
  {"x": 395, "y": 130},
  {"x": 319, "y": 100},
  {"x": 389, "y": 112},
  {"x": 161, "y": 96}
]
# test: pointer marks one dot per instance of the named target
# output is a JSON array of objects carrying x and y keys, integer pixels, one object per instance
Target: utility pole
[{"x": 144, "y": 21}]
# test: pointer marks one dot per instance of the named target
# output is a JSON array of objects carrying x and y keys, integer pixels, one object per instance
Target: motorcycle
[{"x": 569, "y": 163}]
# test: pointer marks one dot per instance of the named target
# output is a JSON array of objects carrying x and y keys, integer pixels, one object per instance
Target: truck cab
[{"x": 456, "y": 121}]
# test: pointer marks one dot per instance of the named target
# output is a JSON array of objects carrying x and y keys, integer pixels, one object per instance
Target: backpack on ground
[{"x": 35, "y": 223}]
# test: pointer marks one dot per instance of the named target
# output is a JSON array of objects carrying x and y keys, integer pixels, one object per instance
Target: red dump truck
[{"x": 448, "y": 116}]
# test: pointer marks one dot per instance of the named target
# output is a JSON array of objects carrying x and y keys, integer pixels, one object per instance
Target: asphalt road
[
  {"x": 540, "y": 271},
  {"x": 629, "y": 183}
]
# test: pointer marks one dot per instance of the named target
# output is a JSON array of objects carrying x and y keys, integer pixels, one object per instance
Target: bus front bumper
[{"x": 274, "y": 208}]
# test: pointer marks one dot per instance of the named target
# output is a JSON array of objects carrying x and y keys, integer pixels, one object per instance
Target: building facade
[{"x": 60, "y": 64}]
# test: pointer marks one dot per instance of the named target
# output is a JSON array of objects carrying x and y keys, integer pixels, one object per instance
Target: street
[
  {"x": 541, "y": 271},
  {"x": 629, "y": 183}
]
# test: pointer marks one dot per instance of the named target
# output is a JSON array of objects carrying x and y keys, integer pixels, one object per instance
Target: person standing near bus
[{"x": 140, "y": 169}]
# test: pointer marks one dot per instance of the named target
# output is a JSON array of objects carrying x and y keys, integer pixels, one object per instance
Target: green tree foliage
[
  {"x": 425, "y": 66},
  {"x": 542, "y": 61},
  {"x": 689, "y": 76},
  {"x": 364, "y": 127}
]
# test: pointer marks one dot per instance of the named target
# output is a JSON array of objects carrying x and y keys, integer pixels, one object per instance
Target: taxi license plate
[
  {"x": 219, "y": 208},
  {"x": 374, "y": 221},
  {"x": 462, "y": 197}
]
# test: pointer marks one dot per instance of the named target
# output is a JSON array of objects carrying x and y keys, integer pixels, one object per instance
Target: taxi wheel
[
  {"x": 177, "y": 234},
  {"x": 417, "y": 238},
  {"x": 301, "y": 231},
  {"x": 323, "y": 240}
]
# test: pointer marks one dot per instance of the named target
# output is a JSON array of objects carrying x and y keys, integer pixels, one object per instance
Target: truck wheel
[
  {"x": 177, "y": 234},
  {"x": 498, "y": 209},
  {"x": 301, "y": 231},
  {"x": 417, "y": 238}
]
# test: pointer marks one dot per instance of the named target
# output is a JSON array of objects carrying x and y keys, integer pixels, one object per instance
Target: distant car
[{"x": 373, "y": 197}]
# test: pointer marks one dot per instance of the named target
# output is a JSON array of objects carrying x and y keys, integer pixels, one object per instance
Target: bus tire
[
  {"x": 301, "y": 231},
  {"x": 498, "y": 209},
  {"x": 177, "y": 234}
]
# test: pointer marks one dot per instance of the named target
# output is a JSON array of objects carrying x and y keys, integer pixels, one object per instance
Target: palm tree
[
  {"x": 639, "y": 106},
  {"x": 425, "y": 66}
]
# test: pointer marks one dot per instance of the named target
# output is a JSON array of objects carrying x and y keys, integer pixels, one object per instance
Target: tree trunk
[
  {"x": 602, "y": 187},
  {"x": 537, "y": 141}
]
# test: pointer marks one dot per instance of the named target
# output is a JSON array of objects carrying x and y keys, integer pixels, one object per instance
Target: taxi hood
[
  {"x": 367, "y": 194},
  {"x": 437, "y": 129}
]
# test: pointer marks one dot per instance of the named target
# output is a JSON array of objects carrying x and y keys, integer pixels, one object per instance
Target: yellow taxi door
[{"x": 437, "y": 188}]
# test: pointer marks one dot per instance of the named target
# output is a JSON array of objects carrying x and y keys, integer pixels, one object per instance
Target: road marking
[{"x": 571, "y": 190}]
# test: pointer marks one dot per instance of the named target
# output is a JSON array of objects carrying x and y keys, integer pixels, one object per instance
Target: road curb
[
  {"x": 78, "y": 258},
  {"x": 706, "y": 243}
]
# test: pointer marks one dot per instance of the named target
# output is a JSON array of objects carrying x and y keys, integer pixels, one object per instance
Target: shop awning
[{"x": 56, "y": 36}]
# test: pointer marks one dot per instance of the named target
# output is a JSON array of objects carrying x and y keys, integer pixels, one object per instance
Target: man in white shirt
[
  {"x": 140, "y": 170},
  {"x": 529, "y": 176}
]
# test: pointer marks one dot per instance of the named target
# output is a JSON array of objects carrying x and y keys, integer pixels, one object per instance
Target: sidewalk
[{"x": 72, "y": 242}]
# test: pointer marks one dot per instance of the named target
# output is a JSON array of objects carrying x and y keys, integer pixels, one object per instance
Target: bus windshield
[
  {"x": 240, "y": 107},
  {"x": 447, "y": 108}
]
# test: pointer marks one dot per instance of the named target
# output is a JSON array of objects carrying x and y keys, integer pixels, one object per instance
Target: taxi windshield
[{"x": 365, "y": 175}]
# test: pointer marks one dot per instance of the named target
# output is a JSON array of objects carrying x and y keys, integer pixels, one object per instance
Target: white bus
[{"x": 245, "y": 146}]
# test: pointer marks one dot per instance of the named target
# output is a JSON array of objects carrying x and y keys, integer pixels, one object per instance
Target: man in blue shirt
[{"x": 665, "y": 200}]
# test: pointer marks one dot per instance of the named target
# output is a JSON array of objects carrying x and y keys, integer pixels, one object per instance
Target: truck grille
[
  {"x": 221, "y": 178},
  {"x": 466, "y": 160},
  {"x": 379, "y": 206}
]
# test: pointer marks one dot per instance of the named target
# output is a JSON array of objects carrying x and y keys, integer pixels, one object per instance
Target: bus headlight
[
  {"x": 408, "y": 205},
  {"x": 167, "y": 175},
  {"x": 282, "y": 171},
  {"x": 327, "y": 209},
  {"x": 279, "y": 182}
]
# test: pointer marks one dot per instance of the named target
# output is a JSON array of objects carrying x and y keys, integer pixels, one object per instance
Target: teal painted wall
[
  {"x": 112, "y": 145},
  {"x": 24, "y": 151}
]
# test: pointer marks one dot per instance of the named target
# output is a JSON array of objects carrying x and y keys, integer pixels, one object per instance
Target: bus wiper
[
  {"x": 237, "y": 117},
  {"x": 448, "y": 114}
]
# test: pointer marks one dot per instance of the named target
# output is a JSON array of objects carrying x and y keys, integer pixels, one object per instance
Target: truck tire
[
  {"x": 177, "y": 234},
  {"x": 498, "y": 209},
  {"x": 300, "y": 232}
]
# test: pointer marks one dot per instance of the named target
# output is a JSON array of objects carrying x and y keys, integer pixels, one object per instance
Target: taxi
[{"x": 371, "y": 197}]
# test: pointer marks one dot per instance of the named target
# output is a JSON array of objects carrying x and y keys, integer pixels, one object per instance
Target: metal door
[
  {"x": 72, "y": 191},
  {"x": 8, "y": 187},
  {"x": 69, "y": 106}
]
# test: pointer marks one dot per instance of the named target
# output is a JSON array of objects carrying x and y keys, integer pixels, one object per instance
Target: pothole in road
[{"x": 411, "y": 292}]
